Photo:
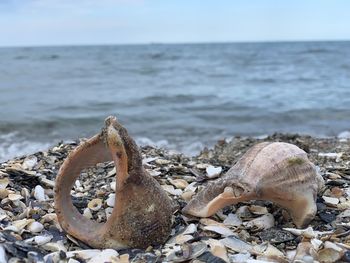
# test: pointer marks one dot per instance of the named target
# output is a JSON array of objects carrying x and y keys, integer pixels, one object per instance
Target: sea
[{"x": 182, "y": 97}]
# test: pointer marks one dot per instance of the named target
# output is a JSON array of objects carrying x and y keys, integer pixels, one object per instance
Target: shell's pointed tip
[{"x": 110, "y": 119}]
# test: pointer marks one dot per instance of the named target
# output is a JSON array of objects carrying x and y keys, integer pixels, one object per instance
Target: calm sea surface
[{"x": 178, "y": 96}]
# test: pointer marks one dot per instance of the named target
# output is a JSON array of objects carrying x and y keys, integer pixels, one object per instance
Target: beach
[{"x": 246, "y": 232}]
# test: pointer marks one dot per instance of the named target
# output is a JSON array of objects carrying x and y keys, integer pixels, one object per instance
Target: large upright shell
[
  {"x": 142, "y": 213},
  {"x": 278, "y": 172}
]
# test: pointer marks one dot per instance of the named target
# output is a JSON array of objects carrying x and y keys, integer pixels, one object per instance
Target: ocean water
[{"x": 182, "y": 97}]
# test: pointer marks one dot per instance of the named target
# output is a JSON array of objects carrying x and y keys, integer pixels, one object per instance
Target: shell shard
[
  {"x": 132, "y": 223},
  {"x": 273, "y": 171}
]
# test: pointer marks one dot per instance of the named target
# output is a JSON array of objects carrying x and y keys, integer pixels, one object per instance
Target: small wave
[
  {"x": 344, "y": 135},
  {"x": 12, "y": 146},
  {"x": 50, "y": 57},
  {"x": 144, "y": 141},
  {"x": 21, "y": 57},
  {"x": 180, "y": 98},
  {"x": 162, "y": 56},
  {"x": 316, "y": 51},
  {"x": 263, "y": 80},
  {"x": 187, "y": 148}
]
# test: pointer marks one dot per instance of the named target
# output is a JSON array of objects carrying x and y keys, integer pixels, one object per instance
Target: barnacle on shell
[{"x": 273, "y": 171}]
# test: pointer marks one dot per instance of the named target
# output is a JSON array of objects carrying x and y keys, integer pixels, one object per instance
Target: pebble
[
  {"x": 329, "y": 255},
  {"x": 15, "y": 197},
  {"x": 244, "y": 212},
  {"x": 35, "y": 227},
  {"x": 187, "y": 195},
  {"x": 327, "y": 216},
  {"x": 258, "y": 210},
  {"x": 222, "y": 230},
  {"x": 240, "y": 257},
  {"x": 3, "y": 258},
  {"x": 276, "y": 236},
  {"x": 21, "y": 224},
  {"x": 84, "y": 254},
  {"x": 191, "y": 187},
  {"x": 218, "y": 249},
  {"x": 330, "y": 200},
  {"x": 264, "y": 222},
  {"x": 328, "y": 155},
  {"x": 179, "y": 183},
  {"x": 29, "y": 162},
  {"x": 39, "y": 193},
  {"x": 237, "y": 245},
  {"x": 4, "y": 183},
  {"x": 112, "y": 172},
  {"x": 55, "y": 246},
  {"x": 41, "y": 240},
  {"x": 202, "y": 166},
  {"x": 171, "y": 190},
  {"x": 87, "y": 213},
  {"x": 108, "y": 211},
  {"x": 213, "y": 172},
  {"x": 192, "y": 228},
  {"x": 106, "y": 255},
  {"x": 232, "y": 220},
  {"x": 112, "y": 185},
  {"x": 111, "y": 200},
  {"x": 162, "y": 161}
]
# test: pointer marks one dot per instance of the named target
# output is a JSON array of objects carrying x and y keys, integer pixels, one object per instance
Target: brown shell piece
[
  {"x": 142, "y": 214},
  {"x": 274, "y": 171}
]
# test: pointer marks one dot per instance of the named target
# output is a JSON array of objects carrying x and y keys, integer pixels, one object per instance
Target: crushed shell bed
[{"x": 255, "y": 231}]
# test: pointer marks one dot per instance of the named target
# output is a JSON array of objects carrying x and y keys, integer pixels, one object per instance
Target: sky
[{"x": 91, "y": 22}]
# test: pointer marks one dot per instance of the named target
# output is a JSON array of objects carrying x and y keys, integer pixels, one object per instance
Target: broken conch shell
[
  {"x": 142, "y": 214},
  {"x": 277, "y": 172}
]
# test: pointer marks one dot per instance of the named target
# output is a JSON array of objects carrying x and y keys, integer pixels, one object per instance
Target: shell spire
[{"x": 274, "y": 171}]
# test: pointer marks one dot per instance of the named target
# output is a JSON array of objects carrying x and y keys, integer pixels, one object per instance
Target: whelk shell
[
  {"x": 278, "y": 172},
  {"x": 142, "y": 213}
]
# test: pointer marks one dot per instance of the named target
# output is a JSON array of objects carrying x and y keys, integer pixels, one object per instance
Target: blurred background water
[{"x": 182, "y": 97}]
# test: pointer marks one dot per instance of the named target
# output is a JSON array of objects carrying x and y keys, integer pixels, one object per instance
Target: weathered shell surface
[
  {"x": 278, "y": 172},
  {"x": 142, "y": 212}
]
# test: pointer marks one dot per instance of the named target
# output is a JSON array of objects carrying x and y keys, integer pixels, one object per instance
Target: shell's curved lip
[{"x": 222, "y": 200}]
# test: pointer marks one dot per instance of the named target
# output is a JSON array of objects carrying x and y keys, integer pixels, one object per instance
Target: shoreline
[
  {"x": 27, "y": 196},
  {"x": 17, "y": 149}
]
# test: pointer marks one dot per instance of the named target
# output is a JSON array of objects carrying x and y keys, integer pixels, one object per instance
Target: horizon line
[{"x": 177, "y": 43}]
